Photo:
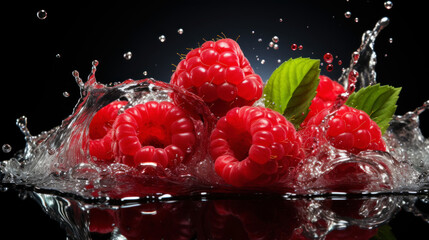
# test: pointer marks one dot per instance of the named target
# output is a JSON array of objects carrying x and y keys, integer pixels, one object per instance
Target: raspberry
[
  {"x": 349, "y": 129},
  {"x": 219, "y": 73},
  {"x": 100, "y": 133},
  {"x": 327, "y": 92},
  {"x": 254, "y": 146},
  {"x": 157, "y": 132}
]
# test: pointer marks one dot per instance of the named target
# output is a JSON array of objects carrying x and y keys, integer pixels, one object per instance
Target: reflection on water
[{"x": 232, "y": 216}]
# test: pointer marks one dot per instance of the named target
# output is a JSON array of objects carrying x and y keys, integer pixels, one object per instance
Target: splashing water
[{"x": 58, "y": 159}]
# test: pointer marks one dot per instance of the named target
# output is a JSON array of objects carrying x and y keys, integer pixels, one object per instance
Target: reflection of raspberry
[
  {"x": 254, "y": 146},
  {"x": 349, "y": 129},
  {"x": 219, "y": 73},
  {"x": 327, "y": 92},
  {"x": 100, "y": 133},
  {"x": 157, "y": 132}
]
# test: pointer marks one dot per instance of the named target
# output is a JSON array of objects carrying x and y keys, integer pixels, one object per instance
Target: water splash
[{"x": 364, "y": 58}]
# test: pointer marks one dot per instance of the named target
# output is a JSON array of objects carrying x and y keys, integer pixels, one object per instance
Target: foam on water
[{"x": 58, "y": 159}]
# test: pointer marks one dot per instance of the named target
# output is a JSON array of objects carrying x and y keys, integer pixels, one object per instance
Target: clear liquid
[{"x": 58, "y": 159}]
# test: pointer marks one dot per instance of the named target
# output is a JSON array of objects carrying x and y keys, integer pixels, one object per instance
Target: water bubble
[
  {"x": 66, "y": 94},
  {"x": 275, "y": 39},
  {"x": 328, "y": 57},
  {"x": 271, "y": 44},
  {"x": 162, "y": 38},
  {"x": 6, "y": 148},
  {"x": 347, "y": 14},
  {"x": 276, "y": 46},
  {"x": 388, "y": 4},
  {"x": 300, "y": 47},
  {"x": 294, "y": 47},
  {"x": 128, "y": 55},
  {"x": 329, "y": 67},
  {"x": 180, "y": 31},
  {"x": 41, "y": 14}
]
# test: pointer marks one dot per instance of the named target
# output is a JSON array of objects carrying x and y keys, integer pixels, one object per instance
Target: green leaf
[
  {"x": 291, "y": 88},
  {"x": 379, "y": 102},
  {"x": 384, "y": 233}
]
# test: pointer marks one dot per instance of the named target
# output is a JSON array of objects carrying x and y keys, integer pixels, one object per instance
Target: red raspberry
[
  {"x": 254, "y": 146},
  {"x": 157, "y": 132},
  {"x": 349, "y": 129},
  {"x": 219, "y": 73},
  {"x": 100, "y": 133},
  {"x": 327, "y": 92}
]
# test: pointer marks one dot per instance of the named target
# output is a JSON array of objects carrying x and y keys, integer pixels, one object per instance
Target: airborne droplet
[
  {"x": 128, "y": 55},
  {"x": 180, "y": 31},
  {"x": 41, "y": 14},
  {"x": 6, "y": 148},
  {"x": 328, "y": 57},
  {"x": 275, "y": 39},
  {"x": 294, "y": 47},
  {"x": 347, "y": 14},
  {"x": 388, "y": 4},
  {"x": 162, "y": 38}
]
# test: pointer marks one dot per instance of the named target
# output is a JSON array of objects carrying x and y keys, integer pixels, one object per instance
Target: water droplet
[
  {"x": 180, "y": 31},
  {"x": 145, "y": 73},
  {"x": 388, "y": 4},
  {"x": 300, "y": 47},
  {"x": 260, "y": 40},
  {"x": 253, "y": 32},
  {"x": 66, "y": 94},
  {"x": 279, "y": 60},
  {"x": 6, "y": 148},
  {"x": 294, "y": 47},
  {"x": 390, "y": 40},
  {"x": 328, "y": 57},
  {"x": 262, "y": 61},
  {"x": 340, "y": 62},
  {"x": 356, "y": 20},
  {"x": 329, "y": 67},
  {"x": 355, "y": 56},
  {"x": 276, "y": 46},
  {"x": 41, "y": 14},
  {"x": 162, "y": 38},
  {"x": 271, "y": 44},
  {"x": 58, "y": 55},
  {"x": 128, "y": 55},
  {"x": 280, "y": 19},
  {"x": 347, "y": 14},
  {"x": 275, "y": 39}
]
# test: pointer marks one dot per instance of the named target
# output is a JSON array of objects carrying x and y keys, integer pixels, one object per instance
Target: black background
[{"x": 33, "y": 79}]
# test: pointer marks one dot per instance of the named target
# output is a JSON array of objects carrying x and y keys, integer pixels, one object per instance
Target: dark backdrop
[{"x": 33, "y": 78}]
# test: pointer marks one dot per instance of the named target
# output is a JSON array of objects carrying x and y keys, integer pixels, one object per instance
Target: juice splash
[{"x": 58, "y": 159}]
